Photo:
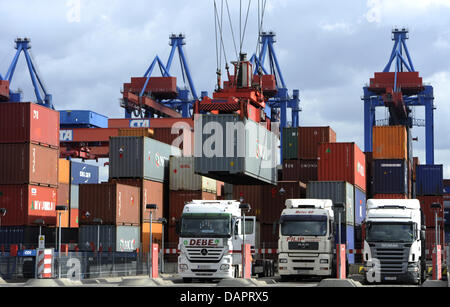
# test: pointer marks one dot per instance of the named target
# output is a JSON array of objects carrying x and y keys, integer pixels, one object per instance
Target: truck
[
  {"x": 306, "y": 244},
  {"x": 394, "y": 241},
  {"x": 211, "y": 237}
]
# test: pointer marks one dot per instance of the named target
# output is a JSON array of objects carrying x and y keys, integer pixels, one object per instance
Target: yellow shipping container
[
  {"x": 136, "y": 132},
  {"x": 390, "y": 142},
  {"x": 64, "y": 171}
]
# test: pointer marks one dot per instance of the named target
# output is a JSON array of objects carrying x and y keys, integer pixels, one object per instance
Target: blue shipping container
[
  {"x": 82, "y": 119},
  {"x": 390, "y": 176},
  {"x": 360, "y": 206},
  {"x": 347, "y": 237},
  {"x": 83, "y": 173},
  {"x": 429, "y": 179}
]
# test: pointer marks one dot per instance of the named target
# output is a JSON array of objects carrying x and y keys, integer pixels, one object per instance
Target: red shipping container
[
  {"x": 309, "y": 139},
  {"x": 430, "y": 239},
  {"x": 425, "y": 204},
  {"x": 27, "y": 203},
  {"x": 115, "y": 204},
  {"x": 342, "y": 162},
  {"x": 300, "y": 170},
  {"x": 28, "y": 122},
  {"x": 28, "y": 164},
  {"x": 160, "y": 87},
  {"x": 74, "y": 216},
  {"x": 390, "y": 196}
]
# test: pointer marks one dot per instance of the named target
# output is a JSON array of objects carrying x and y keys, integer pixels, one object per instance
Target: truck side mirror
[{"x": 177, "y": 227}]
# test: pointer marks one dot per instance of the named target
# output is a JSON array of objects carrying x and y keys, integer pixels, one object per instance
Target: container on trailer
[
  {"x": 429, "y": 179},
  {"x": 112, "y": 238},
  {"x": 309, "y": 139},
  {"x": 338, "y": 192},
  {"x": 342, "y": 162},
  {"x": 22, "y": 122},
  {"x": 27, "y": 203},
  {"x": 81, "y": 173},
  {"x": 244, "y": 151},
  {"x": 390, "y": 142},
  {"x": 28, "y": 163},
  {"x": 390, "y": 177},
  {"x": 140, "y": 157},
  {"x": 115, "y": 204},
  {"x": 300, "y": 170}
]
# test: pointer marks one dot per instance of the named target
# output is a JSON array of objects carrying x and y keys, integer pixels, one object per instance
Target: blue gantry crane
[
  {"x": 399, "y": 91},
  {"x": 148, "y": 96},
  {"x": 23, "y": 45}
]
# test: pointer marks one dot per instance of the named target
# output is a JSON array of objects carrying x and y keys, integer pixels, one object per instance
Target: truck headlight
[
  {"x": 283, "y": 261},
  {"x": 224, "y": 267},
  {"x": 323, "y": 261}
]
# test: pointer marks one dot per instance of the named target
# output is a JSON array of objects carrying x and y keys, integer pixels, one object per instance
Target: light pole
[
  {"x": 2, "y": 214},
  {"x": 41, "y": 223},
  {"x": 151, "y": 207},
  {"x": 340, "y": 208},
  {"x": 163, "y": 221},
  {"x": 436, "y": 207},
  {"x": 244, "y": 208},
  {"x": 60, "y": 208}
]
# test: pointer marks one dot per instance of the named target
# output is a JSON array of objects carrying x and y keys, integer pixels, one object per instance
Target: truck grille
[
  {"x": 204, "y": 254},
  {"x": 392, "y": 260}
]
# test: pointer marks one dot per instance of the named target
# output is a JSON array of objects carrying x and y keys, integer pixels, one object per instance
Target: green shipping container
[{"x": 290, "y": 143}]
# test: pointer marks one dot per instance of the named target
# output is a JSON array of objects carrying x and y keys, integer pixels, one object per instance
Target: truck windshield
[
  {"x": 304, "y": 225},
  {"x": 390, "y": 232},
  {"x": 205, "y": 227}
]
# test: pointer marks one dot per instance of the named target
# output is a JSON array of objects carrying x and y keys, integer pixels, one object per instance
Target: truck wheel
[{"x": 187, "y": 280}]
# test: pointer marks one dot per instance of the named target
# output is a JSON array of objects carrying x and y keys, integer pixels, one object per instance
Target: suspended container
[{"x": 183, "y": 177}]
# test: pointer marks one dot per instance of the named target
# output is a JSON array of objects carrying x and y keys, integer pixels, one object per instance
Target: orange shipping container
[
  {"x": 390, "y": 142},
  {"x": 64, "y": 218},
  {"x": 74, "y": 218},
  {"x": 64, "y": 171},
  {"x": 156, "y": 235},
  {"x": 136, "y": 132}
]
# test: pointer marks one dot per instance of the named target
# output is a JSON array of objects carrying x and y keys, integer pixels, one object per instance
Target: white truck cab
[
  {"x": 306, "y": 238},
  {"x": 211, "y": 237},
  {"x": 394, "y": 243}
]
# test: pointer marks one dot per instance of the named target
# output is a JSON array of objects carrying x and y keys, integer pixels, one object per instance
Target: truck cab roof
[
  {"x": 213, "y": 206},
  {"x": 393, "y": 210},
  {"x": 308, "y": 203}
]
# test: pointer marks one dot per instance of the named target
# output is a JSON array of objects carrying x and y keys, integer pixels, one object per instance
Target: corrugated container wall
[
  {"x": 338, "y": 192},
  {"x": 28, "y": 122},
  {"x": 342, "y": 162},
  {"x": 63, "y": 197},
  {"x": 309, "y": 139},
  {"x": 429, "y": 179},
  {"x": 26, "y": 203},
  {"x": 28, "y": 164},
  {"x": 147, "y": 132},
  {"x": 115, "y": 204},
  {"x": 360, "y": 206},
  {"x": 183, "y": 177},
  {"x": 290, "y": 143},
  {"x": 390, "y": 177},
  {"x": 425, "y": 205},
  {"x": 140, "y": 157},
  {"x": 390, "y": 142},
  {"x": 64, "y": 171},
  {"x": 300, "y": 170},
  {"x": 81, "y": 173},
  {"x": 112, "y": 238},
  {"x": 430, "y": 239}
]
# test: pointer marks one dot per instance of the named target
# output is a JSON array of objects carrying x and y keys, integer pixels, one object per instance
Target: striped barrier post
[{"x": 44, "y": 263}]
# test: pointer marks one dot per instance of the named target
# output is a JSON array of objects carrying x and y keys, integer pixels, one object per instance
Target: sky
[{"x": 85, "y": 50}]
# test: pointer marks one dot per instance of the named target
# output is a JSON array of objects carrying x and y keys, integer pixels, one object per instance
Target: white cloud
[{"x": 342, "y": 27}]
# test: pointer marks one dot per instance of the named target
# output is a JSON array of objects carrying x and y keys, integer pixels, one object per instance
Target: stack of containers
[
  {"x": 391, "y": 164},
  {"x": 80, "y": 173},
  {"x": 63, "y": 197},
  {"x": 143, "y": 162},
  {"x": 446, "y": 197},
  {"x": 29, "y": 153},
  {"x": 430, "y": 189},
  {"x": 300, "y": 151},
  {"x": 184, "y": 186},
  {"x": 342, "y": 178}
]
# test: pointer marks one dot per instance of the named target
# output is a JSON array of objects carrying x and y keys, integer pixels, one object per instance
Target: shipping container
[
  {"x": 74, "y": 216},
  {"x": 149, "y": 122},
  {"x": 244, "y": 152},
  {"x": 27, "y": 237},
  {"x": 28, "y": 164},
  {"x": 347, "y": 238},
  {"x": 338, "y": 192},
  {"x": 430, "y": 239},
  {"x": 74, "y": 196},
  {"x": 156, "y": 235},
  {"x": 390, "y": 142},
  {"x": 64, "y": 171},
  {"x": 63, "y": 195},
  {"x": 390, "y": 177},
  {"x": 63, "y": 218},
  {"x": 390, "y": 196},
  {"x": 415, "y": 163},
  {"x": 158, "y": 87},
  {"x": 152, "y": 192},
  {"x": 309, "y": 139},
  {"x": 430, "y": 214},
  {"x": 183, "y": 177},
  {"x": 429, "y": 179},
  {"x": 290, "y": 143},
  {"x": 115, "y": 204},
  {"x": 360, "y": 206},
  {"x": 300, "y": 170},
  {"x": 147, "y": 132},
  {"x": 86, "y": 135},
  {"x": 342, "y": 162},
  {"x": 82, "y": 118},
  {"x": 83, "y": 173},
  {"x": 369, "y": 174},
  {"x": 28, "y": 122},
  {"x": 27, "y": 203},
  {"x": 112, "y": 238},
  {"x": 140, "y": 157},
  {"x": 182, "y": 138}
]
